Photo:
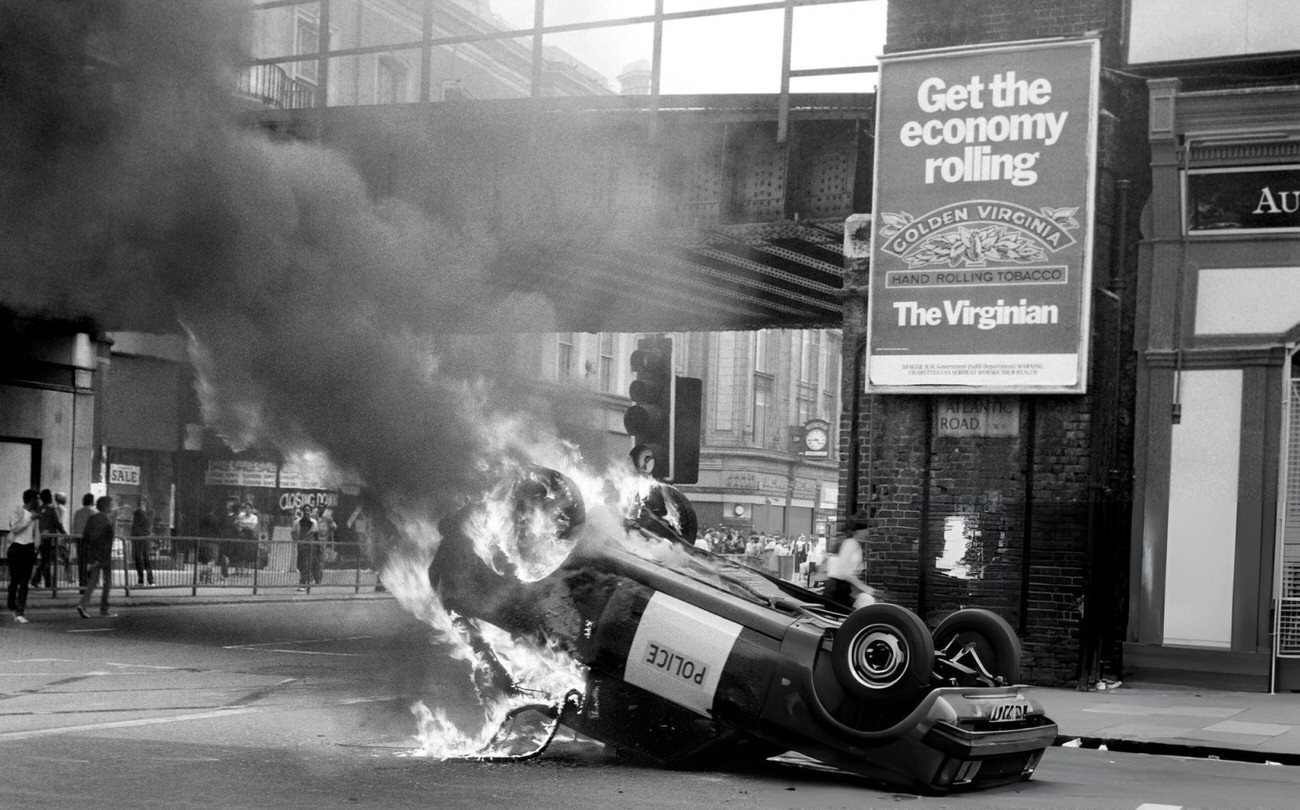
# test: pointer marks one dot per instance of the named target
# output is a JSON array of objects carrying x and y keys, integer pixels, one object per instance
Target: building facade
[
  {"x": 1215, "y": 560},
  {"x": 50, "y": 421},
  {"x": 1017, "y": 502},
  {"x": 758, "y": 471}
]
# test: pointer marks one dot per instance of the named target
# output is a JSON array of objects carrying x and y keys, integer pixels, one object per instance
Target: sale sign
[{"x": 981, "y": 244}]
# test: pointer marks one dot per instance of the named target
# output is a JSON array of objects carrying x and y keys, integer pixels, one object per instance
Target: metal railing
[
  {"x": 207, "y": 564},
  {"x": 272, "y": 86}
]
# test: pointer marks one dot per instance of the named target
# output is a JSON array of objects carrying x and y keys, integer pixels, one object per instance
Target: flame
[
  {"x": 545, "y": 677},
  {"x": 519, "y": 528},
  {"x": 528, "y": 543}
]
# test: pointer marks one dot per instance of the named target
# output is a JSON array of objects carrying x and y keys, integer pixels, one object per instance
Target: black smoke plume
[{"x": 133, "y": 197}]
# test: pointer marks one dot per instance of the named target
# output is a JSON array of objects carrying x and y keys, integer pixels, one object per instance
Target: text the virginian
[{"x": 963, "y": 313}]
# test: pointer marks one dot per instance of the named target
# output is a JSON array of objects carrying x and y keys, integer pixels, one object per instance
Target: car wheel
[
  {"x": 995, "y": 641},
  {"x": 668, "y": 505},
  {"x": 883, "y": 653}
]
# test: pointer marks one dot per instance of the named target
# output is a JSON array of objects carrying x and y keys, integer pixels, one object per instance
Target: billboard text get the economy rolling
[{"x": 981, "y": 243}]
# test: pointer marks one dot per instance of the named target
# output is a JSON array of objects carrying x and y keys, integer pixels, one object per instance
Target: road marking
[
  {"x": 295, "y": 652},
  {"x": 147, "y": 721},
  {"x": 295, "y": 641},
  {"x": 1159, "y": 807},
  {"x": 272, "y": 646}
]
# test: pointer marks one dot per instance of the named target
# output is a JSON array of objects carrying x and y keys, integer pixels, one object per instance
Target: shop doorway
[{"x": 20, "y": 469}]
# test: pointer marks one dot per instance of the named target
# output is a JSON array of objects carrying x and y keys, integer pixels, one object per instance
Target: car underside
[{"x": 696, "y": 661}]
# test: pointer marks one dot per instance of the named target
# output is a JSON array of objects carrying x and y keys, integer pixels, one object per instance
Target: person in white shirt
[
  {"x": 843, "y": 582},
  {"x": 24, "y": 531}
]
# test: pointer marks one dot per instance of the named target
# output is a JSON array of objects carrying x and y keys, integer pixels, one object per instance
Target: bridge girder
[{"x": 687, "y": 216}]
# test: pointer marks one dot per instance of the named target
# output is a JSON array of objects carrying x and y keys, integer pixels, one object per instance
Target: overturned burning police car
[{"x": 695, "y": 661}]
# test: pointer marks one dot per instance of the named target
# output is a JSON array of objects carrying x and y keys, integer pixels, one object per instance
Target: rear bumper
[
  {"x": 954, "y": 741},
  {"x": 956, "y": 746},
  {"x": 964, "y": 749}
]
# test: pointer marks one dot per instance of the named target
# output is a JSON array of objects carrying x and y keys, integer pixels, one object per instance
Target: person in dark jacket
[
  {"x": 306, "y": 532},
  {"x": 141, "y": 545},
  {"x": 79, "y": 519},
  {"x": 50, "y": 525},
  {"x": 97, "y": 538}
]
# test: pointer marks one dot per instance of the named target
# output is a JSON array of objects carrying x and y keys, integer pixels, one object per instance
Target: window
[
  {"x": 306, "y": 40},
  {"x": 762, "y": 399},
  {"x": 564, "y": 356},
  {"x": 725, "y": 409},
  {"x": 392, "y": 77},
  {"x": 804, "y": 406},
  {"x": 606, "y": 353},
  {"x": 763, "y": 351}
]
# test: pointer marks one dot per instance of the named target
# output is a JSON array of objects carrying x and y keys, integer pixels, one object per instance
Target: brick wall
[
  {"x": 1010, "y": 523},
  {"x": 925, "y": 24}
]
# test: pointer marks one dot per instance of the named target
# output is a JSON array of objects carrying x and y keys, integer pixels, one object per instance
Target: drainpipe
[
  {"x": 1031, "y": 429},
  {"x": 1279, "y": 520},
  {"x": 927, "y": 476}
]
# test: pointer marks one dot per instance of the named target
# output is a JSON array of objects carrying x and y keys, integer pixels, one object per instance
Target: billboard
[{"x": 981, "y": 243}]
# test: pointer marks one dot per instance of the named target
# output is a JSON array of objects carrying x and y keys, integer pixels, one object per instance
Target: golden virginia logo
[{"x": 975, "y": 233}]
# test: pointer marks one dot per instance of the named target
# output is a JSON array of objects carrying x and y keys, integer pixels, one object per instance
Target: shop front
[
  {"x": 758, "y": 495},
  {"x": 1215, "y": 594},
  {"x": 247, "y": 503}
]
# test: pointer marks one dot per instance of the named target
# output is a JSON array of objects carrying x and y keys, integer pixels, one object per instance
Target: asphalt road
[{"x": 307, "y": 704}]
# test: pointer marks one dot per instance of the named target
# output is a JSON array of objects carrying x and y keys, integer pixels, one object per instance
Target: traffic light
[
  {"x": 664, "y": 420},
  {"x": 688, "y": 393},
  {"x": 649, "y": 420}
]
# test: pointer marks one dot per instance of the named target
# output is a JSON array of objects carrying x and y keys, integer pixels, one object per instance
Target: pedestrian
[
  {"x": 326, "y": 528},
  {"x": 307, "y": 535},
  {"x": 141, "y": 545},
  {"x": 372, "y": 538},
  {"x": 843, "y": 585},
  {"x": 48, "y": 519},
  {"x": 229, "y": 533},
  {"x": 24, "y": 533},
  {"x": 97, "y": 537},
  {"x": 248, "y": 522},
  {"x": 79, "y": 519},
  {"x": 61, "y": 505},
  {"x": 66, "y": 548},
  {"x": 209, "y": 550}
]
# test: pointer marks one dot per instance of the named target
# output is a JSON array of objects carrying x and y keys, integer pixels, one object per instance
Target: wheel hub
[{"x": 879, "y": 657}]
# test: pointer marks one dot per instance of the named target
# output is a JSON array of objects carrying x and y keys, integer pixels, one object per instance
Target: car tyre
[
  {"x": 666, "y": 507},
  {"x": 882, "y": 654},
  {"x": 996, "y": 643}
]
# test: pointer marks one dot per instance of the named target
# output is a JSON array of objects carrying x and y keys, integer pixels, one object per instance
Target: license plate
[{"x": 1009, "y": 713}]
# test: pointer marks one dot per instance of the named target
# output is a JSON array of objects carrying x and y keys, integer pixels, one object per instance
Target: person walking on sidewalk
[
  {"x": 24, "y": 531},
  {"x": 141, "y": 545},
  {"x": 97, "y": 538},
  {"x": 843, "y": 583},
  {"x": 307, "y": 534},
  {"x": 50, "y": 524},
  {"x": 79, "y": 519}
]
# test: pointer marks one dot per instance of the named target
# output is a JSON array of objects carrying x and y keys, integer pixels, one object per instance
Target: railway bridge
[{"x": 690, "y": 213}]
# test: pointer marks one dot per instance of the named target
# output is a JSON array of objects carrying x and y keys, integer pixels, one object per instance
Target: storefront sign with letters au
[{"x": 1257, "y": 198}]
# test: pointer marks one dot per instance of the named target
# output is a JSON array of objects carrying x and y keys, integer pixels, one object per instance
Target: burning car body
[{"x": 692, "y": 660}]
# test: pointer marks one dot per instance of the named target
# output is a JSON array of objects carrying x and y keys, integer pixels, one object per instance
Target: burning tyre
[{"x": 693, "y": 660}]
